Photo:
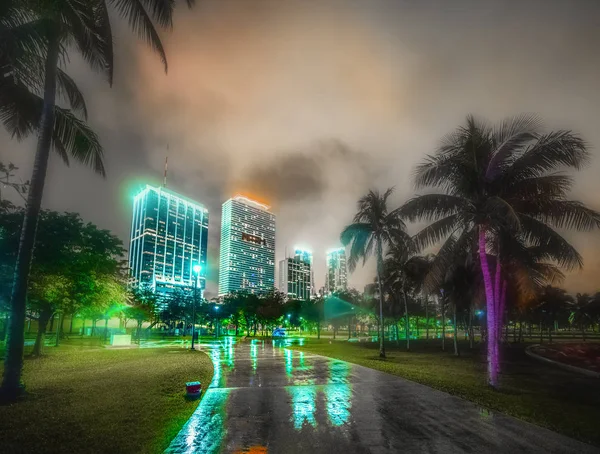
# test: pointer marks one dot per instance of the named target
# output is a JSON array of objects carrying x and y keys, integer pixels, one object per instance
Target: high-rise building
[
  {"x": 169, "y": 235},
  {"x": 337, "y": 276},
  {"x": 247, "y": 256},
  {"x": 307, "y": 257},
  {"x": 296, "y": 275}
]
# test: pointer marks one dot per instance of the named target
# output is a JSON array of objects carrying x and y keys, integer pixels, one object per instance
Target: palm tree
[
  {"x": 374, "y": 228},
  {"x": 501, "y": 180},
  {"x": 581, "y": 313},
  {"x": 553, "y": 301},
  {"x": 405, "y": 272},
  {"x": 36, "y": 37}
]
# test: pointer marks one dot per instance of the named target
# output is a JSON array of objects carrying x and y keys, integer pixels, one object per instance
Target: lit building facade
[
  {"x": 169, "y": 236},
  {"x": 296, "y": 275},
  {"x": 337, "y": 275},
  {"x": 247, "y": 253}
]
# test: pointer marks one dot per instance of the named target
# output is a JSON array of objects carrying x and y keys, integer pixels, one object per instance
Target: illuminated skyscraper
[
  {"x": 296, "y": 275},
  {"x": 337, "y": 275},
  {"x": 169, "y": 235},
  {"x": 247, "y": 256}
]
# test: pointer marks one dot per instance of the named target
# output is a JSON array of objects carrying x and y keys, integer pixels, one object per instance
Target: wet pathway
[{"x": 266, "y": 398}]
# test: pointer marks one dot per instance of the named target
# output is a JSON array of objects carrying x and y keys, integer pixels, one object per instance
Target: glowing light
[
  {"x": 243, "y": 198},
  {"x": 303, "y": 405},
  {"x": 197, "y": 268}
]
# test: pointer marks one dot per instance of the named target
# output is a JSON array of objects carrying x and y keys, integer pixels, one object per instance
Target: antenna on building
[{"x": 166, "y": 167}]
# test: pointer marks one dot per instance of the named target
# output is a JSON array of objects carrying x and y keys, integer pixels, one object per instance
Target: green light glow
[
  {"x": 303, "y": 405},
  {"x": 338, "y": 395},
  {"x": 289, "y": 365},
  {"x": 205, "y": 431}
]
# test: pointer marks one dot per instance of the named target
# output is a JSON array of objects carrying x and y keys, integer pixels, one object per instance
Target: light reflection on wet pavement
[{"x": 267, "y": 398}]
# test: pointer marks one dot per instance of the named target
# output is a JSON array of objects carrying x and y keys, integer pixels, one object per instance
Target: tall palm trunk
[
  {"x": 443, "y": 325},
  {"x": 456, "y": 352},
  {"x": 406, "y": 327},
  {"x": 491, "y": 311},
  {"x": 426, "y": 317},
  {"x": 471, "y": 333},
  {"x": 13, "y": 364},
  {"x": 379, "y": 273}
]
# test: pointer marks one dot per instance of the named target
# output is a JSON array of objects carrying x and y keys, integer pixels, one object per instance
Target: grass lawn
[
  {"x": 90, "y": 399},
  {"x": 532, "y": 391}
]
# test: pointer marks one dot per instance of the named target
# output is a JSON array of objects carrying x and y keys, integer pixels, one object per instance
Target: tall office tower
[
  {"x": 296, "y": 275},
  {"x": 247, "y": 256},
  {"x": 169, "y": 235},
  {"x": 337, "y": 276}
]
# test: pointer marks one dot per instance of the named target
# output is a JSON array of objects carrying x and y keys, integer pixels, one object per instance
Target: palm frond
[
  {"x": 550, "y": 152},
  {"x": 552, "y": 245},
  {"x": 431, "y": 207},
  {"x": 556, "y": 185},
  {"x": 510, "y": 136},
  {"x": 562, "y": 214},
  {"x": 437, "y": 231},
  {"x": 82, "y": 19},
  {"x": 356, "y": 235},
  {"x": 68, "y": 88},
  {"x": 72, "y": 137},
  {"x": 161, "y": 11},
  {"x": 141, "y": 23},
  {"x": 105, "y": 44}
]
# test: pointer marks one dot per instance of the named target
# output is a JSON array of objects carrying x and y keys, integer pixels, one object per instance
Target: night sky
[{"x": 307, "y": 104}]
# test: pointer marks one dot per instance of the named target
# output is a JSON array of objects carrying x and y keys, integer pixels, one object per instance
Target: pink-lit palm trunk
[{"x": 492, "y": 337}]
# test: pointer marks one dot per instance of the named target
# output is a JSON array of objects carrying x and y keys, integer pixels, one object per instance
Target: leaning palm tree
[
  {"x": 36, "y": 37},
  {"x": 373, "y": 230},
  {"x": 581, "y": 312},
  {"x": 501, "y": 180},
  {"x": 405, "y": 272}
]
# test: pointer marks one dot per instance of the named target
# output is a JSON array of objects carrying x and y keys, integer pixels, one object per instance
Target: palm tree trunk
[
  {"x": 491, "y": 310},
  {"x": 71, "y": 324},
  {"x": 406, "y": 327},
  {"x": 426, "y": 317},
  {"x": 105, "y": 329},
  {"x": 397, "y": 333},
  {"x": 456, "y": 352},
  {"x": 83, "y": 328},
  {"x": 471, "y": 333},
  {"x": 379, "y": 272},
  {"x": 13, "y": 364},
  {"x": 443, "y": 326}
]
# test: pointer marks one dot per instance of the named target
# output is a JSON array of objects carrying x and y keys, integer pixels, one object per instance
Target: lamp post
[
  {"x": 196, "y": 273},
  {"x": 217, "y": 323}
]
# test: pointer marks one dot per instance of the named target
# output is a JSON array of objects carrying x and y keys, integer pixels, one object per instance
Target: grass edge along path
[
  {"x": 103, "y": 400},
  {"x": 533, "y": 392}
]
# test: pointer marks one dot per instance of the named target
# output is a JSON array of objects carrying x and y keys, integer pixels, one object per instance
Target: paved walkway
[{"x": 266, "y": 398}]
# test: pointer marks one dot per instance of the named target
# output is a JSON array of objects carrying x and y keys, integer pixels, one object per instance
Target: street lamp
[
  {"x": 196, "y": 272},
  {"x": 216, "y": 312}
]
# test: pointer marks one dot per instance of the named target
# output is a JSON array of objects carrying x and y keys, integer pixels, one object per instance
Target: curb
[{"x": 577, "y": 370}]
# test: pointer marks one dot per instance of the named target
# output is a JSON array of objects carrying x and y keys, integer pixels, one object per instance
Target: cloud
[{"x": 310, "y": 103}]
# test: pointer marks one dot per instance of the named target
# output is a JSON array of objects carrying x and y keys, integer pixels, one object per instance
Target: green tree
[
  {"x": 313, "y": 312},
  {"x": 141, "y": 308},
  {"x": 36, "y": 36},
  {"x": 76, "y": 265},
  {"x": 374, "y": 228},
  {"x": 495, "y": 181}
]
